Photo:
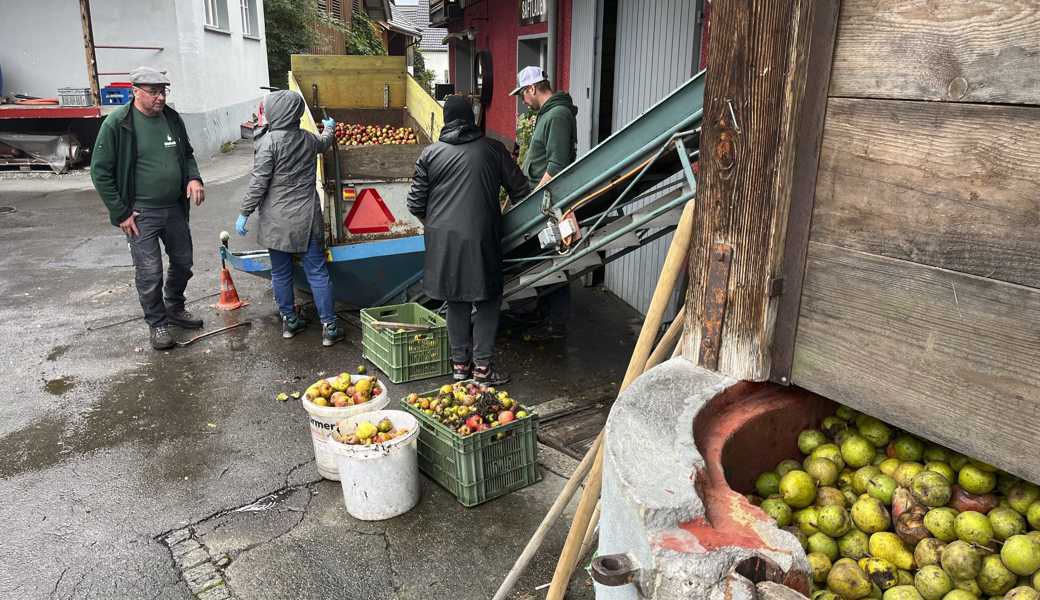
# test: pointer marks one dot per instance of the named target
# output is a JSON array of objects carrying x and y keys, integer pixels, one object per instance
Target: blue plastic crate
[{"x": 115, "y": 96}]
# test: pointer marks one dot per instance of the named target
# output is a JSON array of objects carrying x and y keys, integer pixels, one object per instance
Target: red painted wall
[{"x": 497, "y": 23}]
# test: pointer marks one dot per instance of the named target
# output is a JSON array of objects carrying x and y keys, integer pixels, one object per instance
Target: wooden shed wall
[{"x": 921, "y": 299}]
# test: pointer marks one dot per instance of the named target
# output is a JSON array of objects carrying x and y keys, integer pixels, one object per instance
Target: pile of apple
[
  {"x": 342, "y": 391},
  {"x": 349, "y": 134},
  {"x": 468, "y": 408},
  {"x": 884, "y": 515},
  {"x": 366, "y": 433}
]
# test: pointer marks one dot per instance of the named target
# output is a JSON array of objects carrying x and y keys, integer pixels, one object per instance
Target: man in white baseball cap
[
  {"x": 553, "y": 147},
  {"x": 528, "y": 76}
]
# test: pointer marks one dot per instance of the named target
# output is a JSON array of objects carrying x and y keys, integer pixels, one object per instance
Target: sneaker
[
  {"x": 461, "y": 371},
  {"x": 331, "y": 333},
  {"x": 291, "y": 325},
  {"x": 183, "y": 318},
  {"x": 160, "y": 338},
  {"x": 545, "y": 333},
  {"x": 490, "y": 376}
]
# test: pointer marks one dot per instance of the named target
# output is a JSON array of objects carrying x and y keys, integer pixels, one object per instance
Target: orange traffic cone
[{"x": 228, "y": 294}]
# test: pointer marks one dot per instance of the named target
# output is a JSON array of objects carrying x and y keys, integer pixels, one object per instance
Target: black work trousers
[
  {"x": 170, "y": 226},
  {"x": 471, "y": 333}
]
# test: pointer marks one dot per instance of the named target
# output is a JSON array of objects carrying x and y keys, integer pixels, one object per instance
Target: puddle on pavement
[
  {"x": 153, "y": 404},
  {"x": 57, "y": 352},
  {"x": 61, "y": 385}
]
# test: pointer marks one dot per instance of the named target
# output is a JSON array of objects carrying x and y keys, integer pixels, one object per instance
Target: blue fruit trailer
[
  {"x": 623, "y": 194},
  {"x": 374, "y": 245}
]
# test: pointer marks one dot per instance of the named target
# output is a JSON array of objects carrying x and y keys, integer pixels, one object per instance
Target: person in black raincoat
[
  {"x": 455, "y": 194},
  {"x": 283, "y": 190}
]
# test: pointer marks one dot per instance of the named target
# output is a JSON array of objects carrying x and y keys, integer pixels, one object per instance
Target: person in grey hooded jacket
[
  {"x": 282, "y": 189},
  {"x": 455, "y": 193}
]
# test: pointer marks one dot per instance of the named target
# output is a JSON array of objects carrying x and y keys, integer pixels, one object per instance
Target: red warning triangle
[{"x": 369, "y": 214}]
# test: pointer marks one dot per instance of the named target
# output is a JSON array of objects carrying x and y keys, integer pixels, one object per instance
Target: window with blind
[{"x": 216, "y": 14}]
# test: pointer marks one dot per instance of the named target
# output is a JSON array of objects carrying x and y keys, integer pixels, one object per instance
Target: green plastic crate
[
  {"x": 478, "y": 467},
  {"x": 409, "y": 355}
]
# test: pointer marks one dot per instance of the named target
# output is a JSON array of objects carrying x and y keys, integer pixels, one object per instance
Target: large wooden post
[
  {"x": 88, "y": 48},
  {"x": 763, "y": 115}
]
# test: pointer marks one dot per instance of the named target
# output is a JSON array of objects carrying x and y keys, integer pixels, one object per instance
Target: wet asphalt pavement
[{"x": 130, "y": 473}]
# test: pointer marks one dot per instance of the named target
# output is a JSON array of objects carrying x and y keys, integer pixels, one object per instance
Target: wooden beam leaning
[
  {"x": 550, "y": 518},
  {"x": 763, "y": 52},
  {"x": 670, "y": 272}
]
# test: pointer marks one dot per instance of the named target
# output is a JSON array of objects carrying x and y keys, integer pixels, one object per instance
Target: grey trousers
[
  {"x": 472, "y": 334},
  {"x": 169, "y": 225}
]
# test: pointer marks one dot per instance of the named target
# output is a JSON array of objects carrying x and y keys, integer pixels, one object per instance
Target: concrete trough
[{"x": 683, "y": 446}]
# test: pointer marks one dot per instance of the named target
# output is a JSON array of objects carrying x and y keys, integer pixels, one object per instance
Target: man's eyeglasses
[{"x": 154, "y": 91}]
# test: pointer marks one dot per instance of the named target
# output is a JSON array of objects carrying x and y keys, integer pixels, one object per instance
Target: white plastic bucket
[
  {"x": 321, "y": 420},
  {"x": 379, "y": 481}
]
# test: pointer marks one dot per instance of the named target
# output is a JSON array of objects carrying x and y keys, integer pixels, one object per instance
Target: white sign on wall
[{"x": 532, "y": 11}]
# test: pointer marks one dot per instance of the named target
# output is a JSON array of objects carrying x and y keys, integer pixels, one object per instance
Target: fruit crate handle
[
  {"x": 386, "y": 312},
  {"x": 421, "y": 338}
]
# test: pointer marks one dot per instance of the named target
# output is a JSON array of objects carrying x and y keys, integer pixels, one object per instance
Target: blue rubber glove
[
  {"x": 240, "y": 224},
  {"x": 329, "y": 123}
]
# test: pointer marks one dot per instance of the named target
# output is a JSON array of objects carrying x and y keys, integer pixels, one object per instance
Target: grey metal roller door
[{"x": 656, "y": 52}]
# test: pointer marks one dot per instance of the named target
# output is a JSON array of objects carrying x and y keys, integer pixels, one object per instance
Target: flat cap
[{"x": 148, "y": 76}]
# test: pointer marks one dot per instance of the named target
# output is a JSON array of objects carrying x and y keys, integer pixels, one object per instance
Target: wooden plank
[
  {"x": 368, "y": 116},
  {"x": 951, "y": 357},
  {"x": 755, "y": 87},
  {"x": 953, "y": 186},
  {"x": 379, "y": 161},
  {"x": 953, "y": 50},
  {"x": 423, "y": 109},
  {"x": 352, "y": 81},
  {"x": 811, "y": 102},
  {"x": 574, "y": 434}
]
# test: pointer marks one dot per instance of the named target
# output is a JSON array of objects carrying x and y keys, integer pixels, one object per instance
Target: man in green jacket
[
  {"x": 144, "y": 169},
  {"x": 554, "y": 142},
  {"x": 553, "y": 147}
]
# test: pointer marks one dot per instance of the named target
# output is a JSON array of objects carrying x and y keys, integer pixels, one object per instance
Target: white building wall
[
  {"x": 438, "y": 63},
  {"x": 216, "y": 77},
  {"x": 41, "y": 47}
]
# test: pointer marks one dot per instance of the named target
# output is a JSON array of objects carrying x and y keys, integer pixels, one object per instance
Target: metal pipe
[
  {"x": 511, "y": 241},
  {"x": 658, "y": 189},
  {"x": 614, "y": 570},
  {"x": 550, "y": 54},
  {"x": 120, "y": 47},
  {"x": 613, "y": 236},
  {"x": 678, "y": 140},
  {"x": 597, "y": 218}
]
